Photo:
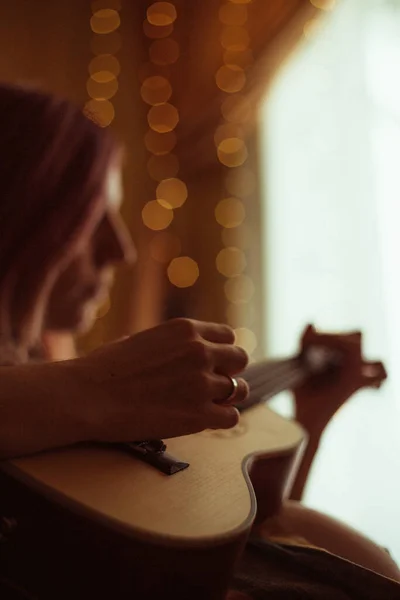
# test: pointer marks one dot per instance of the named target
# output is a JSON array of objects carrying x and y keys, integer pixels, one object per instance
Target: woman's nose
[{"x": 115, "y": 244}]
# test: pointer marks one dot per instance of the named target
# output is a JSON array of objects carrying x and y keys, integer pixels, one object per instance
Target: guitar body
[{"x": 94, "y": 522}]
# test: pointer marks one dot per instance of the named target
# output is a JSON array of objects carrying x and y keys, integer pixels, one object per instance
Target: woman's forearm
[{"x": 39, "y": 409}]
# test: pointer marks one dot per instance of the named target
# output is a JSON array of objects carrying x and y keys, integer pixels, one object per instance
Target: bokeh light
[
  {"x": 231, "y": 261},
  {"x": 161, "y": 13},
  {"x": 163, "y": 117},
  {"x": 106, "y": 65},
  {"x": 230, "y": 212},
  {"x": 105, "y": 20},
  {"x": 246, "y": 338},
  {"x": 156, "y": 32},
  {"x": 102, "y": 90},
  {"x": 183, "y": 271},
  {"x": 232, "y": 152},
  {"x": 156, "y": 90},
  {"x": 226, "y": 131},
  {"x": 239, "y": 289},
  {"x": 230, "y": 78},
  {"x": 100, "y": 111},
  {"x": 172, "y": 193},
  {"x": 155, "y": 216}
]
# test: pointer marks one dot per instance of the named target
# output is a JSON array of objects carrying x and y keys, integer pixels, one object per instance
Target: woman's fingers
[
  {"x": 221, "y": 417},
  {"x": 229, "y": 390},
  {"x": 228, "y": 359}
]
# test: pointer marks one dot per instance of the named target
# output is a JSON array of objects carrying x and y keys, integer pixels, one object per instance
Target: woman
[{"x": 62, "y": 173}]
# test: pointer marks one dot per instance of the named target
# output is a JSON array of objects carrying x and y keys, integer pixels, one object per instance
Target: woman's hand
[
  {"x": 164, "y": 382},
  {"x": 321, "y": 395}
]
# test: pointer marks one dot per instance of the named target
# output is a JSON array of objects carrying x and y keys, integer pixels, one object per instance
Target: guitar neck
[{"x": 268, "y": 378}]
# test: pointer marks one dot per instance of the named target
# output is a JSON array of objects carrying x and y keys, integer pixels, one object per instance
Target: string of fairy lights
[
  {"x": 232, "y": 152},
  {"x": 170, "y": 192},
  {"x": 104, "y": 67},
  {"x": 240, "y": 182}
]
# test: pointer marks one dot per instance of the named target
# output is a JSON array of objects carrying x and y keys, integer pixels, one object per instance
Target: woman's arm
[
  {"x": 40, "y": 408},
  {"x": 162, "y": 382}
]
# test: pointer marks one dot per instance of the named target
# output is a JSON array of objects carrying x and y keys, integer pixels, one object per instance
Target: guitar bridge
[{"x": 153, "y": 452}]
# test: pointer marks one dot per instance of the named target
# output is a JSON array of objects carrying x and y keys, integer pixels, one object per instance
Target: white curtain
[{"x": 331, "y": 148}]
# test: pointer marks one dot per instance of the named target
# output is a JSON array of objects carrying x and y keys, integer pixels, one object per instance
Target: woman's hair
[{"x": 53, "y": 162}]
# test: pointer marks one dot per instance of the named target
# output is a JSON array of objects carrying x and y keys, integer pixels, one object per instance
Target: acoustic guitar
[{"x": 152, "y": 519}]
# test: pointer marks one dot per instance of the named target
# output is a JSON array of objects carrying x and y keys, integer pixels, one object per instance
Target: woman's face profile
[{"x": 84, "y": 284}]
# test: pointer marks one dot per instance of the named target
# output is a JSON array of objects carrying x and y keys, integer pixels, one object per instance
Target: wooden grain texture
[{"x": 210, "y": 500}]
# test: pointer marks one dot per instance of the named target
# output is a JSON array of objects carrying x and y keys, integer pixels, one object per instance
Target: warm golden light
[
  {"x": 100, "y": 111},
  {"x": 101, "y": 90},
  {"x": 240, "y": 289},
  {"x": 233, "y": 14},
  {"x": 172, "y": 193},
  {"x": 230, "y": 212},
  {"x": 105, "y": 21},
  {"x": 163, "y": 117},
  {"x": 246, "y": 339},
  {"x": 227, "y": 130},
  {"x": 183, "y": 271},
  {"x": 311, "y": 28},
  {"x": 241, "y": 236},
  {"x": 164, "y": 247},
  {"x": 164, "y": 52},
  {"x": 324, "y": 4},
  {"x": 105, "y": 67},
  {"x": 230, "y": 78},
  {"x": 241, "y": 182},
  {"x": 161, "y": 13},
  {"x": 163, "y": 167},
  {"x": 155, "y": 216},
  {"x": 106, "y": 44},
  {"x": 242, "y": 58},
  {"x": 239, "y": 313},
  {"x": 156, "y": 32},
  {"x": 235, "y": 38},
  {"x": 241, "y": 1},
  {"x": 236, "y": 109},
  {"x": 231, "y": 262},
  {"x": 232, "y": 152},
  {"x": 156, "y": 90},
  {"x": 103, "y": 77},
  {"x": 99, "y": 4},
  {"x": 160, "y": 143}
]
